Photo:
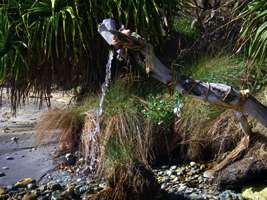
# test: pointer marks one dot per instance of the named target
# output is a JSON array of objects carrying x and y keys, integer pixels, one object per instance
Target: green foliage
[
  {"x": 183, "y": 26},
  {"x": 254, "y": 31},
  {"x": 118, "y": 99},
  {"x": 221, "y": 69},
  {"x": 118, "y": 153},
  {"x": 160, "y": 109},
  {"x": 55, "y": 42},
  {"x": 12, "y": 50}
]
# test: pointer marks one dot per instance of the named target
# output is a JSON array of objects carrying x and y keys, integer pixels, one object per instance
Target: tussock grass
[
  {"x": 209, "y": 131},
  {"x": 126, "y": 135},
  {"x": 61, "y": 125}
]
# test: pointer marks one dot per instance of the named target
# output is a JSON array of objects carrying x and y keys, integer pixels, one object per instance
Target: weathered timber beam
[{"x": 214, "y": 93}]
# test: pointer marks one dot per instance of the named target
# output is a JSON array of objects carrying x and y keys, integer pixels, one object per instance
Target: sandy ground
[{"x": 21, "y": 159}]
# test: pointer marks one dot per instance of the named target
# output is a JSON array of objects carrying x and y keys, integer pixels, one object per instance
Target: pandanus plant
[
  {"x": 47, "y": 43},
  {"x": 254, "y": 30}
]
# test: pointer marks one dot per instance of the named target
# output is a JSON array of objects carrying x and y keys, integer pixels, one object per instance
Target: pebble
[
  {"x": 5, "y": 168},
  {"x": 70, "y": 159},
  {"x": 2, "y": 174},
  {"x": 189, "y": 181},
  {"x": 2, "y": 191},
  {"x": 9, "y": 158}
]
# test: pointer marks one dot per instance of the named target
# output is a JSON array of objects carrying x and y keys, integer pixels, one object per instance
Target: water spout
[{"x": 92, "y": 145}]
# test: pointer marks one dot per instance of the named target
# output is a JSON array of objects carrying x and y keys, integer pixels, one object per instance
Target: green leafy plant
[
  {"x": 160, "y": 109},
  {"x": 183, "y": 25}
]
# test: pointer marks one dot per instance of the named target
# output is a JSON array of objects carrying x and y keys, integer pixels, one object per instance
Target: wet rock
[
  {"x": 70, "y": 159},
  {"x": 2, "y": 174},
  {"x": 174, "y": 167},
  {"x": 15, "y": 139},
  {"x": 24, "y": 182},
  {"x": 82, "y": 189},
  {"x": 53, "y": 186},
  {"x": 31, "y": 186},
  {"x": 5, "y": 168},
  {"x": 2, "y": 191},
  {"x": 56, "y": 195},
  {"x": 9, "y": 158}
]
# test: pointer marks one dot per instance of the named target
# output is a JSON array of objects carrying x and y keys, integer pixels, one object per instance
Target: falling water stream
[{"x": 93, "y": 151}]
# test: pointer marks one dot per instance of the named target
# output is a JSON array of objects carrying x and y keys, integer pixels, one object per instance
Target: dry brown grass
[
  {"x": 124, "y": 138},
  {"x": 59, "y": 125},
  {"x": 208, "y": 133}
]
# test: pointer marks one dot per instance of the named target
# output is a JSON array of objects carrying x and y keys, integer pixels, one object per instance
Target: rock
[
  {"x": 194, "y": 196},
  {"x": 53, "y": 186},
  {"x": 192, "y": 164},
  {"x": 15, "y": 139},
  {"x": 29, "y": 196},
  {"x": 5, "y": 168},
  {"x": 188, "y": 191},
  {"x": 56, "y": 195},
  {"x": 163, "y": 186},
  {"x": 31, "y": 186},
  {"x": 255, "y": 193},
  {"x": 173, "y": 167},
  {"x": 2, "y": 191},
  {"x": 2, "y": 174},
  {"x": 70, "y": 159},
  {"x": 169, "y": 172},
  {"x": 82, "y": 189},
  {"x": 9, "y": 158},
  {"x": 24, "y": 182},
  {"x": 202, "y": 167}
]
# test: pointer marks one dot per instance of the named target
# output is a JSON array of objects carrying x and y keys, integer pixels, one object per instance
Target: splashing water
[{"x": 92, "y": 150}]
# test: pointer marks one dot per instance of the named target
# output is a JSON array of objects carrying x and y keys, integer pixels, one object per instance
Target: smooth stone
[
  {"x": 163, "y": 186},
  {"x": 173, "y": 167},
  {"x": 202, "y": 167},
  {"x": 2, "y": 174},
  {"x": 31, "y": 186},
  {"x": 5, "y": 168},
  {"x": 2, "y": 190},
  {"x": 169, "y": 172},
  {"x": 56, "y": 195},
  {"x": 160, "y": 173},
  {"x": 70, "y": 159},
  {"x": 9, "y": 158},
  {"x": 83, "y": 189},
  {"x": 164, "y": 167},
  {"x": 188, "y": 191},
  {"x": 53, "y": 186},
  {"x": 192, "y": 164},
  {"x": 24, "y": 182},
  {"x": 182, "y": 188},
  {"x": 194, "y": 196}
]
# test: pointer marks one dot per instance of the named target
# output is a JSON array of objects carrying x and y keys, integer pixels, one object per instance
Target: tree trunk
[{"x": 214, "y": 93}]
